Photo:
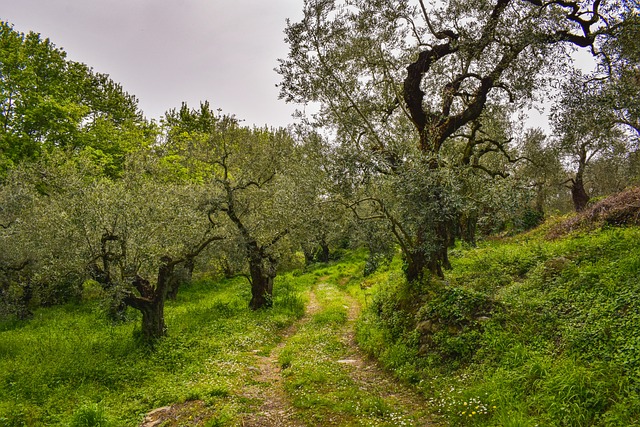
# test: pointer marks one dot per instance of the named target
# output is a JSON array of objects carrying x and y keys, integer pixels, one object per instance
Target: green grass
[
  {"x": 69, "y": 366},
  {"x": 320, "y": 386},
  {"x": 529, "y": 331},
  {"x": 523, "y": 332}
]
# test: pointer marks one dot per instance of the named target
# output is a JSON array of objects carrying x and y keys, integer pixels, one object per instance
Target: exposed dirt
[
  {"x": 276, "y": 410},
  {"x": 189, "y": 413},
  {"x": 372, "y": 378},
  {"x": 616, "y": 210}
]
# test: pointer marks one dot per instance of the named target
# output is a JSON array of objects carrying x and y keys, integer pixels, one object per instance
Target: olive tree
[
  {"x": 542, "y": 170},
  {"x": 132, "y": 235},
  {"x": 15, "y": 257},
  {"x": 585, "y": 131},
  {"x": 620, "y": 64},
  {"x": 408, "y": 87},
  {"x": 138, "y": 233},
  {"x": 255, "y": 180}
]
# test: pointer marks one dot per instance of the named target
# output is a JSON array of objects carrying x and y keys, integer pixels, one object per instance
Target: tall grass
[{"x": 70, "y": 366}]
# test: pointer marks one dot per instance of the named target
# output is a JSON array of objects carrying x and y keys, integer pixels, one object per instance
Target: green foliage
[
  {"x": 89, "y": 416},
  {"x": 529, "y": 219},
  {"x": 533, "y": 332},
  {"x": 257, "y": 181},
  {"x": 286, "y": 295},
  {"x": 49, "y": 102},
  {"x": 423, "y": 139}
]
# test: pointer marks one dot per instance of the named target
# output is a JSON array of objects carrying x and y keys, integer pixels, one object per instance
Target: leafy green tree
[
  {"x": 39, "y": 262},
  {"x": 132, "y": 235},
  {"x": 48, "y": 102},
  {"x": 585, "y": 130},
  {"x": 14, "y": 259},
  {"x": 326, "y": 224},
  {"x": 620, "y": 62},
  {"x": 256, "y": 184},
  {"x": 140, "y": 233},
  {"x": 542, "y": 170},
  {"x": 404, "y": 84}
]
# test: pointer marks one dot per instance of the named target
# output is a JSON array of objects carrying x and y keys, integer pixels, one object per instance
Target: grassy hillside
[{"x": 524, "y": 332}]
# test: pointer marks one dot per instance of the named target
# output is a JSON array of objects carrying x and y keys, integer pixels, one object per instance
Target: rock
[
  {"x": 154, "y": 418},
  {"x": 158, "y": 411}
]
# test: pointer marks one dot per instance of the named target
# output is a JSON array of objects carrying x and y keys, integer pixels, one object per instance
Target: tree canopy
[
  {"x": 48, "y": 102},
  {"x": 396, "y": 80}
]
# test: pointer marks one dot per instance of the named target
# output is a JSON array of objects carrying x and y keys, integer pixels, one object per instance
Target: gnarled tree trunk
[
  {"x": 181, "y": 274},
  {"x": 324, "y": 251},
  {"x": 262, "y": 271},
  {"x": 578, "y": 193},
  {"x": 468, "y": 227},
  {"x": 416, "y": 262},
  {"x": 420, "y": 260},
  {"x": 151, "y": 300}
]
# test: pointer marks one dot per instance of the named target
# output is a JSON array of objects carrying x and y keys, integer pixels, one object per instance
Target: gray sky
[{"x": 169, "y": 51}]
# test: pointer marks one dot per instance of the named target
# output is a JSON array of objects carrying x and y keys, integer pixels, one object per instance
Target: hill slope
[{"x": 524, "y": 332}]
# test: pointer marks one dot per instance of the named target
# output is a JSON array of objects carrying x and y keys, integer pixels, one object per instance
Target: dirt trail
[
  {"x": 276, "y": 410},
  {"x": 372, "y": 378},
  {"x": 267, "y": 385}
]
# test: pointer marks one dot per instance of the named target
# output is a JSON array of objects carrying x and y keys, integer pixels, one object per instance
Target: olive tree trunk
[
  {"x": 151, "y": 300},
  {"x": 262, "y": 271},
  {"x": 579, "y": 194}
]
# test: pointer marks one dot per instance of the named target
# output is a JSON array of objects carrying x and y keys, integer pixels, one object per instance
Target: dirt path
[
  {"x": 266, "y": 385},
  {"x": 276, "y": 410},
  {"x": 372, "y": 378}
]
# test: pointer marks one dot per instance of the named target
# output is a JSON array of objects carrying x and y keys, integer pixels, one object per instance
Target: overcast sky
[{"x": 169, "y": 51}]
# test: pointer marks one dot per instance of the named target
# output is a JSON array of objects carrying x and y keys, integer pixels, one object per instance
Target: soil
[{"x": 275, "y": 409}]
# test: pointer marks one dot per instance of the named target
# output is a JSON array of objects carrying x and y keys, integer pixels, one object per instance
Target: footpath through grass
[
  {"x": 328, "y": 379},
  {"x": 68, "y": 366}
]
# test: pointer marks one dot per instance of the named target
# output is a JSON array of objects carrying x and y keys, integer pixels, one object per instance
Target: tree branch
[
  {"x": 492, "y": 173},
  {"x": 276, "y": 239},
  {"x": 437, "y": 34}
]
